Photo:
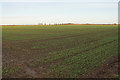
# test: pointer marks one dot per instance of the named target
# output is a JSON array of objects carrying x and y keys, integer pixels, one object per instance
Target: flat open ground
[{"x": 60, "y": 51}]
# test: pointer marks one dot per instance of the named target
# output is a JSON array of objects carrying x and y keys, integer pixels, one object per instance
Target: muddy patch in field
[{"x": 30, "y": 71}]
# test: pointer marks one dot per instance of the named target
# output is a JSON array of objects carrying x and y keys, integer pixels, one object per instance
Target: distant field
[{"x": 61, "y": 51}]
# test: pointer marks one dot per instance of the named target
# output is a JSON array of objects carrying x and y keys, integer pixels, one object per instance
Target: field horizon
[{"x": 53, "y": 24}]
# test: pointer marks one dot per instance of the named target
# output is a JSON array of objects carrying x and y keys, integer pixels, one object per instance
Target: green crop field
[{"x": 57, "y": 51}]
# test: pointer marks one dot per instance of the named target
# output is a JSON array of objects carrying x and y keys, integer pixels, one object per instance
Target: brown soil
[{"x": 107, "y": 70}]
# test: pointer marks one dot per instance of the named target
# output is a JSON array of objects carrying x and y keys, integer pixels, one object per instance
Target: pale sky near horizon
[{"x": 58, "y": 11}]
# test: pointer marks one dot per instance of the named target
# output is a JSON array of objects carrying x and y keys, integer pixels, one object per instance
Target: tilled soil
[{"x": 107, "y": 70}]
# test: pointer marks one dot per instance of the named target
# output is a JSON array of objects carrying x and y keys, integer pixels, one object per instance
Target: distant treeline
[{"x": 89, "y": 24}]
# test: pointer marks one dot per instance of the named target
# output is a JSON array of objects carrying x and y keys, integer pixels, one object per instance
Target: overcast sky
[{"x": 58, "y": 11}]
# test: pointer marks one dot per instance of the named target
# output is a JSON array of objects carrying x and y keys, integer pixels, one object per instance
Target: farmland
[{"x": 57, "y": 51}]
